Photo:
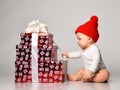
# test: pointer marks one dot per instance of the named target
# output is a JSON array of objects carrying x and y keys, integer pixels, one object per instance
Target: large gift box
[
  {"x": 36, "y": 57},
  {"x": 49, "y": 71}
]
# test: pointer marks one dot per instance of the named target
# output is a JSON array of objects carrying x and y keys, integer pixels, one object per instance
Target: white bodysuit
[{"x": 91, "y": 57}]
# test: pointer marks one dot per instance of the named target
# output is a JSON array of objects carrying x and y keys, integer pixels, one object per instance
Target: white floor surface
[{"x": 7, "y": 83}]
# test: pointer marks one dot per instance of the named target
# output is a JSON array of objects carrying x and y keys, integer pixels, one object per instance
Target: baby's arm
[{"x": 76, "y": 54}]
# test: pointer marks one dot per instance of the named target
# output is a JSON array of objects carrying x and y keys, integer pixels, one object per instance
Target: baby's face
[{"x": 83, "y": 40}]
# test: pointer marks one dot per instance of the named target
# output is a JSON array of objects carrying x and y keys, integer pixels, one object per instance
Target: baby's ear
[{"x": 90, "y": 40}]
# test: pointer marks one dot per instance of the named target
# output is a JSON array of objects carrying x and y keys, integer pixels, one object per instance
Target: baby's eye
[{"x": 79, "y": 38}]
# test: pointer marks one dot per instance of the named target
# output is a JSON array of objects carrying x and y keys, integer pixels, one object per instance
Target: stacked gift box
[{"x": 37, "y": 61}]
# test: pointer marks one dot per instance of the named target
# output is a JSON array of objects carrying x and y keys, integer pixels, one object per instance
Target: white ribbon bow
[{"x": 36, "y": 26}]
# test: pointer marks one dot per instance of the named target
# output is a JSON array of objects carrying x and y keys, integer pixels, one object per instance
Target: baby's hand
[
  {"x": 65, "y": 54},
  {"x": 88, "y": 74}
]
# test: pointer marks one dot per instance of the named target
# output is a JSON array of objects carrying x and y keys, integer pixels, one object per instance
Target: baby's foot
[{"x": 72, "y": 77}]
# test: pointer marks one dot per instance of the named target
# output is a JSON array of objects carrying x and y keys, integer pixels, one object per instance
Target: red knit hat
[{"x": 90, "y": 28}]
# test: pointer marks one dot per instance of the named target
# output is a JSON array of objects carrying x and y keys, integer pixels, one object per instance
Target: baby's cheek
[{"x": 78, "y": 43}]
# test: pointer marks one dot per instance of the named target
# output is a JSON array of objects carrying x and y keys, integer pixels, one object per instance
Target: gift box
[
  {"x": 36, "y": 57},
  {"x": 49, "y": 71},
  {"x": 44, "y": 40},
  {"x": 24, "y": 52}
]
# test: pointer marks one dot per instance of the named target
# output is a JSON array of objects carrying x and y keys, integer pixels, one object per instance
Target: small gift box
[
  {"x": 24, "y": 52},
  {"x": 44, "y": 40}
]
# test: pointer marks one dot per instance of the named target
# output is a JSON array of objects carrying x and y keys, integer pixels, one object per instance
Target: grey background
[{"x": 62, "y": 17}]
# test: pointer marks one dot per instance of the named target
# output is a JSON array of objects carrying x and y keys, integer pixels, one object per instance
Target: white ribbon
[{"x": 34, "y": 53}]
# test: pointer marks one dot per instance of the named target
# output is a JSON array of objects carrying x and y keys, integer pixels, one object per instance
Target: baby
[{"x": 94, "y": 68}]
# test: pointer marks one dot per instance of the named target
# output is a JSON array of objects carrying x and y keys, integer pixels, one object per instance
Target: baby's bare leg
[
  {"x": 101, "y": 76},
  {"x": 77, "y": 76}
]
